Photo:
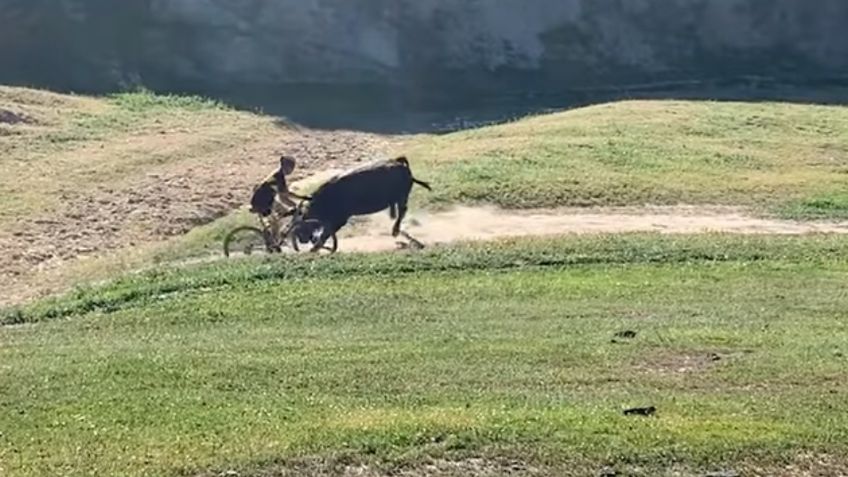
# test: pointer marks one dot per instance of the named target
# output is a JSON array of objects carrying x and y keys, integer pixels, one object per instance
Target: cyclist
[{"x": 272, "y": 199}]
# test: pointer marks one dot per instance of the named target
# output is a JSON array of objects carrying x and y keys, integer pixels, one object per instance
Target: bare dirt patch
[
  {"x": 684, "y": 362},
  {"x": 668, "y": 362},
  {"x": 795, "y": 465},
  {"x": 808, "y": 465},
  {"x": 470, "y": 467}
]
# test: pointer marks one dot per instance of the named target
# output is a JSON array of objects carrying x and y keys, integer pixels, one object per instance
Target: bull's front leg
[{"x": 326, "y": 233}]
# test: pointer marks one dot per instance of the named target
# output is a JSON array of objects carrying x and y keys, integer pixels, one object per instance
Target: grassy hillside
[
  {"x": 67, "y": 145},
  {"x": 505, "y": 352},
  {"x": 83, "y": 176},
  {"x": 789, "y": 160},
  {"x": 785, "y": 158},
  {"x": 777, "y": 157}
]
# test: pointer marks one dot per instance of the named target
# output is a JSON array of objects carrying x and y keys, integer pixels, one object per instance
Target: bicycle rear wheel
[{"x": 247, "y": 240}]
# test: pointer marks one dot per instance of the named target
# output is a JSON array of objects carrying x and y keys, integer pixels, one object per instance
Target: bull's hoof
[{"x": 412, "y": 245}]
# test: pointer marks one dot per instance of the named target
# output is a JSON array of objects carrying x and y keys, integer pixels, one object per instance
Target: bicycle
[{"x": 248, "y": 238}]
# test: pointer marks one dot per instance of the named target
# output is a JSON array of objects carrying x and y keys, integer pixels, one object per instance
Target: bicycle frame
[
  {"x": 285, "y": 233},
  {"x": 281, "y": 240}
]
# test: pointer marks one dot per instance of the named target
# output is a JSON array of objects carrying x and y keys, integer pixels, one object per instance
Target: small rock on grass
[{"x": 640, "y": 411}]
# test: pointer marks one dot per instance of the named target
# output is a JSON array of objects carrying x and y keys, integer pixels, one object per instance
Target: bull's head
[
  {"x": 305, "y": 232},
  {"x": 308, "y": 226}
]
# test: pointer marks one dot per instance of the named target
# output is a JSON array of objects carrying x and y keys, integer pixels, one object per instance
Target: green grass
[
  {"x": 834, "y": 206},
  {"x": 493, "y": 350},
  {"x": 139, "y": 289},
  {"x": 147, "y": 102},
  {"x": 768, "y": 156},
  {"x": 131, "y": 113}
]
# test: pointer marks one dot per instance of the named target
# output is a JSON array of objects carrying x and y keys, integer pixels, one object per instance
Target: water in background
[{"x": 384, "y": 110}]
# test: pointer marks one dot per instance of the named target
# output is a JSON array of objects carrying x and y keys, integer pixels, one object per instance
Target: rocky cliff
[{"x": 413, "y": 52}]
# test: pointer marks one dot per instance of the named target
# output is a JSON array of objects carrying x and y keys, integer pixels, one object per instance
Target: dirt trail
[
  {"x": 370, "y": 234},
  {"x": 463, "y": 223},
  {"x": 487, "y": 223}
]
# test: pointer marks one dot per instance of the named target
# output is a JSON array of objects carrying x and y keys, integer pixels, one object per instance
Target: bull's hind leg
[
  {"x": 401, "y": 213},
  {"x": 402, "y": 208}
]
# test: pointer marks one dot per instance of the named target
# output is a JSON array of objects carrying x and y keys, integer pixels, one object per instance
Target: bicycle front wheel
[{"x": 247, "y": 240}]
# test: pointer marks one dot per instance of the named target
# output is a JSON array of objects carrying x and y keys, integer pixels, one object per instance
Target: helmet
[{"x": 287, "y": 164}]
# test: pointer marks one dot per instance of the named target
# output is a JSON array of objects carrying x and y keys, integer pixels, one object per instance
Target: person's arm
[
  {"x": 286, "y": 200},
  {"x": 283, "y": 193}
]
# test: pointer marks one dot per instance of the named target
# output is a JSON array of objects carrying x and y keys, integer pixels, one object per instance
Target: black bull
[{"x": 366, "y": 190}]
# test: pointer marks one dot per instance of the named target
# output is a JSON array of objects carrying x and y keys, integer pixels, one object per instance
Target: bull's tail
[
  {"x": 422, "y": 184},
  {"x": 403, "y": 160}
]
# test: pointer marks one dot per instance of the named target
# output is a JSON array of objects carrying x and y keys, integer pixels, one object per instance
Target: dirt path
[
  {"x": 461, "y": 224},
  {"x": 121, "y": 221},
  {"x": 487, "y": 223}
]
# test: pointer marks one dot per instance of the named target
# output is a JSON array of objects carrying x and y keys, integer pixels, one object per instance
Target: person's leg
[{"x": 275, "y": 223}]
